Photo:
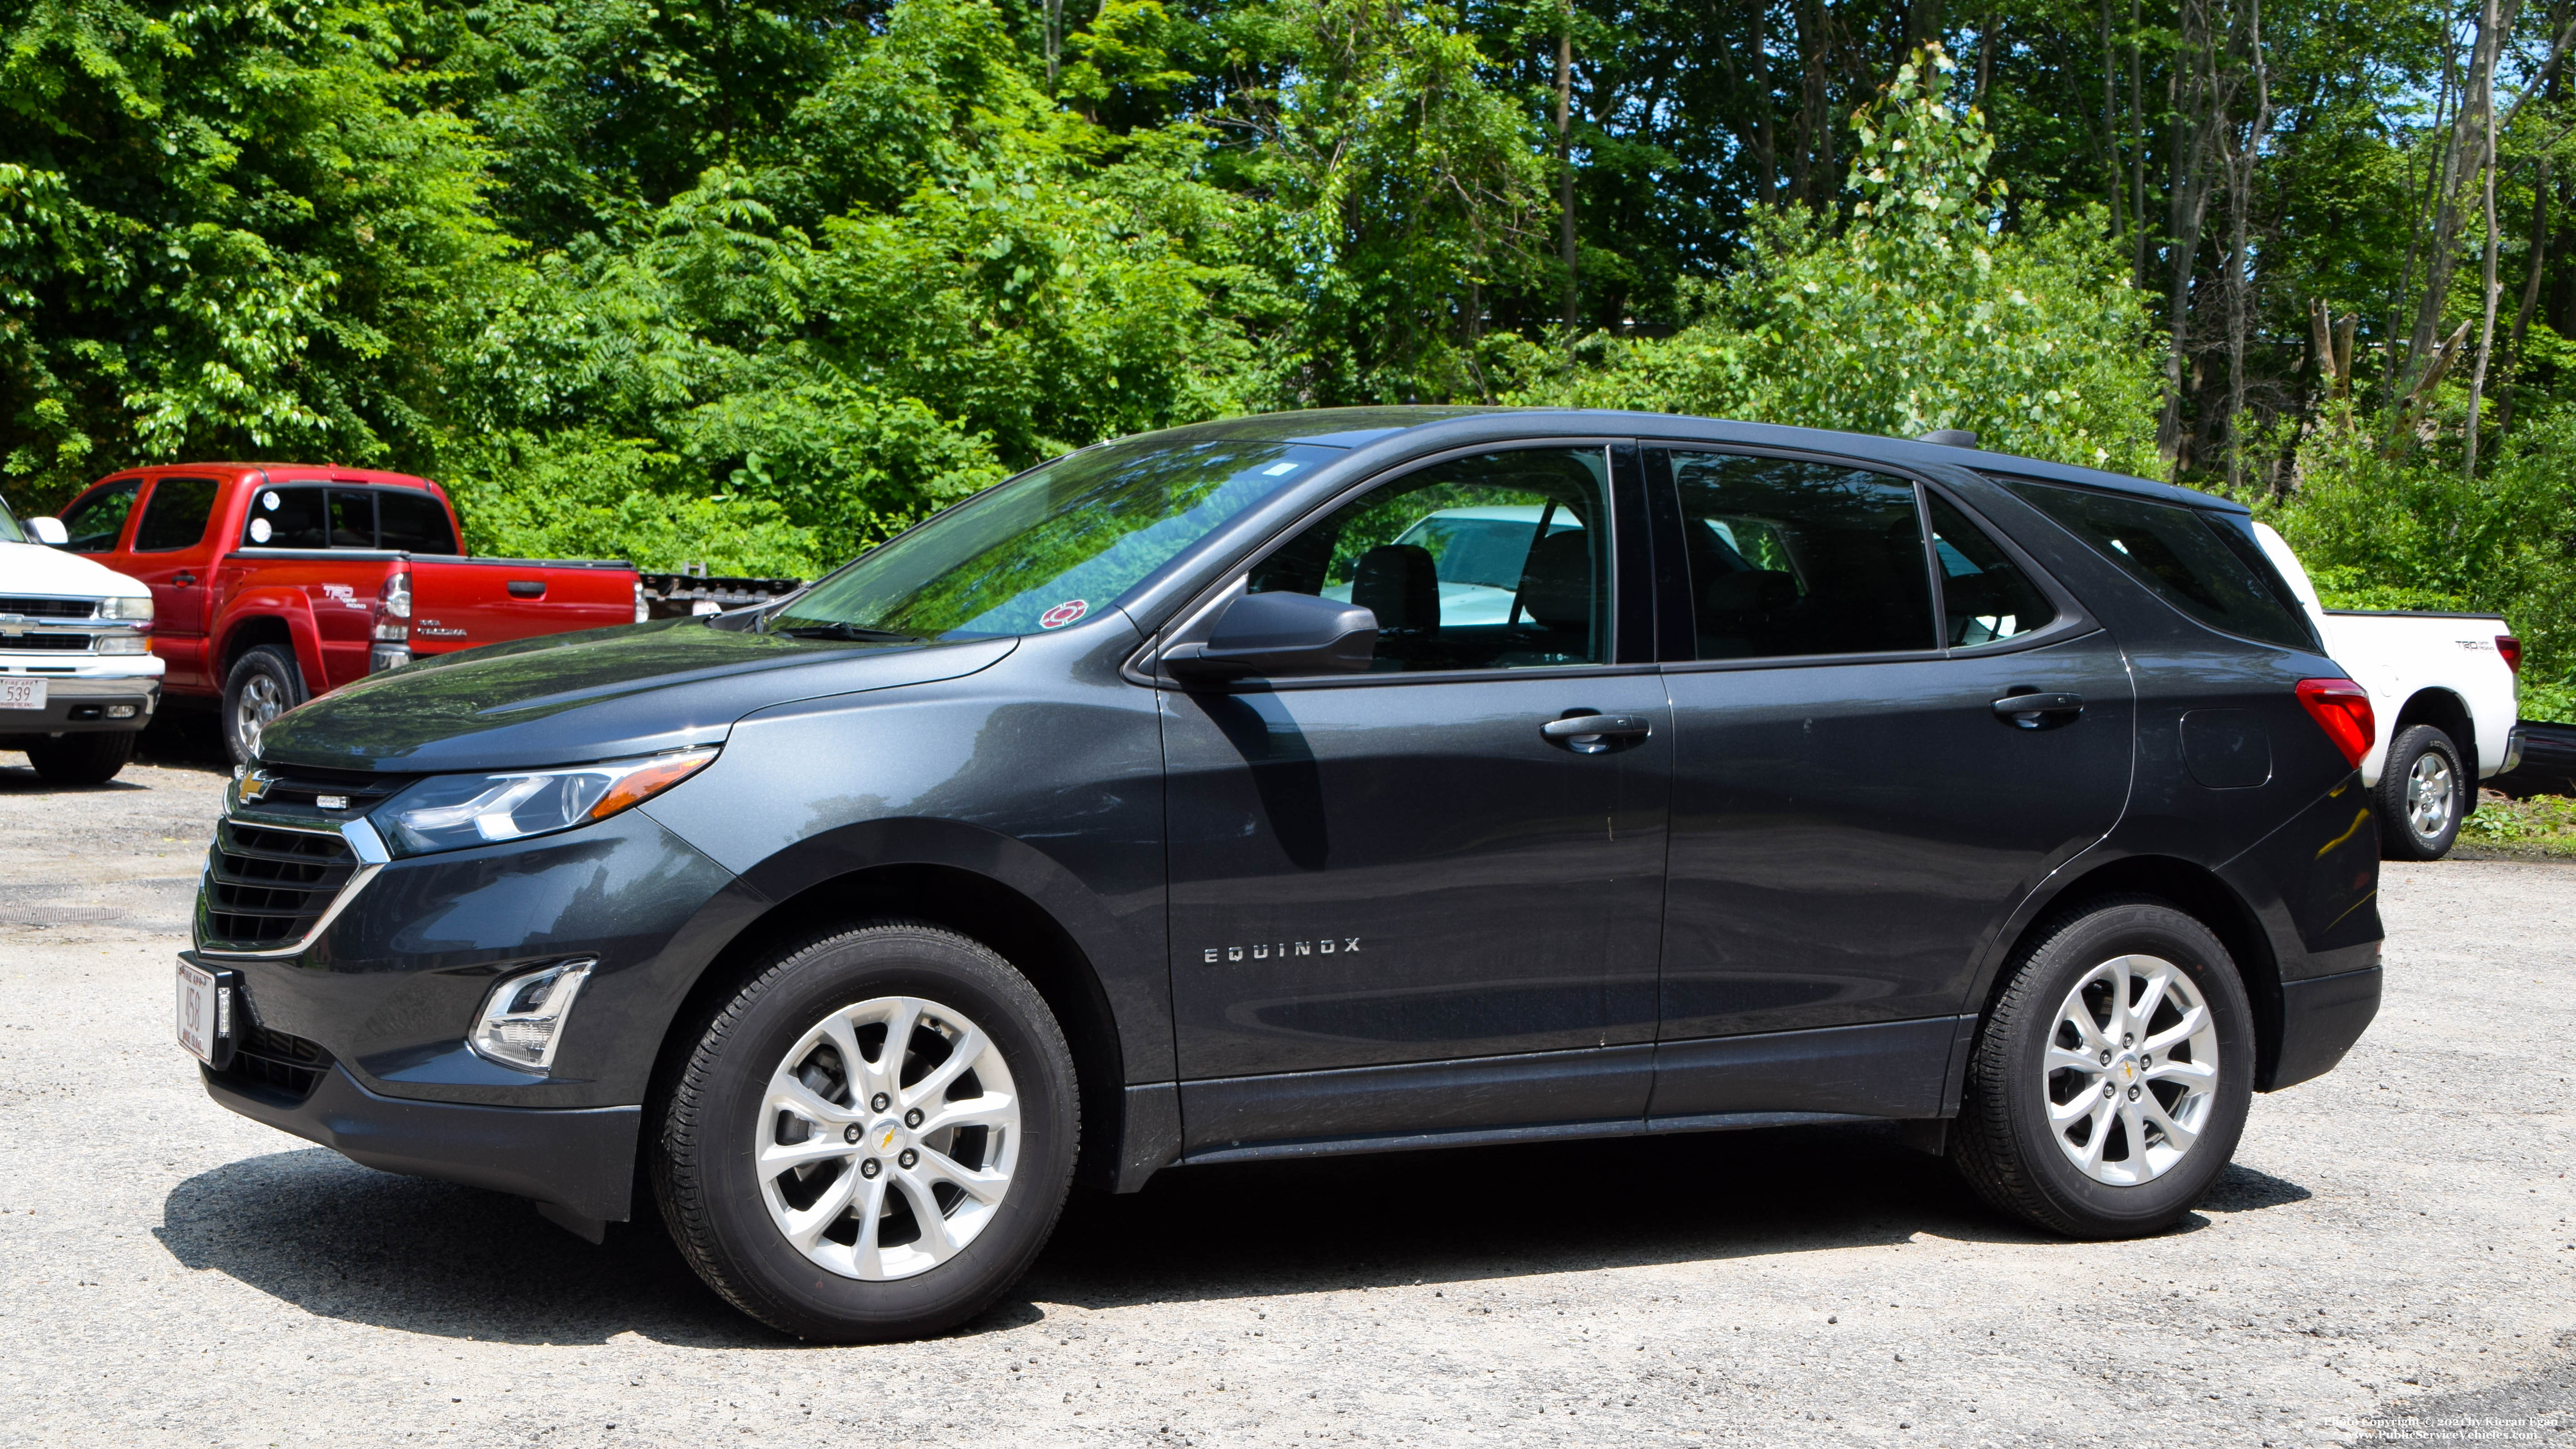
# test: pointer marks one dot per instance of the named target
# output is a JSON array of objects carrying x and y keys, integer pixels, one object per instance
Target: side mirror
[
  {"x": 48, "y": 531},
  {"x": 1275, "y": 634}
]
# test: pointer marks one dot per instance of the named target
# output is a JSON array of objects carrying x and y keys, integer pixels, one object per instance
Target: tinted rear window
[
  {"x": 289, "y": 517},
  {"x": 414, "y": 522},
  {"x": 2205, "y": 564}
]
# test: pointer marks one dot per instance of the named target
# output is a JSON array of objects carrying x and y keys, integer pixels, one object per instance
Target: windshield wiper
[{"x": 845, "y": 631}]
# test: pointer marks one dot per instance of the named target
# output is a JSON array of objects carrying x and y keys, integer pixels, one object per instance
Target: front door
[
  {"x": 169, "y": 553},
  {"x": 1384, "y": 871},
  {"x": 1853, "y": 819}
]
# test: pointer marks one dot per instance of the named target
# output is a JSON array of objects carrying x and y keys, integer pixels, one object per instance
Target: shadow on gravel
[{"x": 342, "y": 1241}]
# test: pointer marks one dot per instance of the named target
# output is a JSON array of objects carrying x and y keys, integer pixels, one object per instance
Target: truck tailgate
[{"x": 462, "y": 603}]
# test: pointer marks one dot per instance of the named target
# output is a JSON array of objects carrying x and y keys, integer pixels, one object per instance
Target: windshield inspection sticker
[{"x": 1064, "y": 613}]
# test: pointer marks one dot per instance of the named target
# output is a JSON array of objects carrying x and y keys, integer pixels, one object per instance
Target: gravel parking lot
[{"x": 2390, "y": 1258}]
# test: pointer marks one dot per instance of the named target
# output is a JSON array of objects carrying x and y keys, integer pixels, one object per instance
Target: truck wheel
[
  {"x": 2423, "y": 795},
  {"x": 870, "y": 1140},
  {"x": 2109, "y": 1085},
  {"x": 264, "y": 684},
  {"x": 91, "y": 759}
]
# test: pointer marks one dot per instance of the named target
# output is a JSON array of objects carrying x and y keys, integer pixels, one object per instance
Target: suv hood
[
  {"x": 566, "y": 699},
  {"x": 35, "y": 568}
]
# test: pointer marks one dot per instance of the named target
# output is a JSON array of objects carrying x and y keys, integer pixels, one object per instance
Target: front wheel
[
  {"x": 2424, "y": 792},
  {"x": 872, "y": 1139},
  {"x": 89, "y": 759},
  {"x": 2110, "y": 1083}
]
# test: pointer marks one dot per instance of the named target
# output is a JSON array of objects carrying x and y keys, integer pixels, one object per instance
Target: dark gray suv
[{"x": 1324, "y": 782}]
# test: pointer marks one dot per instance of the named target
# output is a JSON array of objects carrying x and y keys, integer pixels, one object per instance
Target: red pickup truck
[{"x": 273, "y": 582}]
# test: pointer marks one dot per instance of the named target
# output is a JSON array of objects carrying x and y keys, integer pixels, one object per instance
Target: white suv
[{"x": 78, "y": 679}]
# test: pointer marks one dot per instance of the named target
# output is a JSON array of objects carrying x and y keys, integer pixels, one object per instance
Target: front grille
[
  {"x": 267, "y": 887},
  {"x": 65, "y": 642},
  {"x": 294, "y": 789},
  {"x": 289, "y": 1064},
  {"x": 47, "y": 608}
]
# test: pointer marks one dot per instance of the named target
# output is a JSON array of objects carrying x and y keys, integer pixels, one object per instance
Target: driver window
[
  {"x": 1499, "y": 561},
  {"x": 96, "y": 522}
]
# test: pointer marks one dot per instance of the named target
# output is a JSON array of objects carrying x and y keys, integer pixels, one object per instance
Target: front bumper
[
  {"x": 581, "y": 1159},
  {"x": 76, "y": 705}
]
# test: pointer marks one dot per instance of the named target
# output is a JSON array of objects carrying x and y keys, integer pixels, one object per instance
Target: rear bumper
[
  {"x": 579, "y": 1159},
  {"x": 2321, "y": 1018}
]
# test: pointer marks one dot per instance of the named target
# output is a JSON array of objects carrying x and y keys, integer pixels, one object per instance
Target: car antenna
[{"x": 1949, "y": 437}]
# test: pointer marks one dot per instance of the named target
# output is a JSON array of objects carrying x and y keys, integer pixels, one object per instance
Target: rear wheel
[
  {"x": 2424, "y": 794},
  {"x": 264, "y": 683},
  {"x": 2110, "y": 1084},
  {"x": 872, "y": 1139},
  {"x": 90, "y": 759}
]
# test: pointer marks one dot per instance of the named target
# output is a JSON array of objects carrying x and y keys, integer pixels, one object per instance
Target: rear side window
[
  {"x": 2189, "y": 557},
  {"x": 1984, "y": 597},
  {"x": 289, "y": 517},
  {"x": 414, "y": 522},
  {"x": 175, "y": 515},
  {"x": 1789, "y": 557},
  {"x": 98, "y": 520}
]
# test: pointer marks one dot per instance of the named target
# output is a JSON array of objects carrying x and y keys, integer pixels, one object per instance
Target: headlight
[
  {"x": 124, "y": 644},
  {"x": 449, "y": 812},
  {"x": 133, "y": 611}
]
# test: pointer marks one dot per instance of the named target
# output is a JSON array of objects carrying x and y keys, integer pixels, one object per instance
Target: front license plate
[
  {"x": 22, "y": 694},
  {"x": 205, "y": 1015}
]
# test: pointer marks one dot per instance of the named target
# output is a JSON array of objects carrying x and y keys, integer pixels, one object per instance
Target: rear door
[
  {"x": 1853, "y": 818},
  {"x": 1396, "y": 904}
]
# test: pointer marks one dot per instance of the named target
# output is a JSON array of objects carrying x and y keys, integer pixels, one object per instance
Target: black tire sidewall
[
  {"x": 791, "y": 1291},
  {"x": 84, "y": 759},
  {"x": 2097, "y": 1209},
  {"x": 269, "y": 659},
  {"x": 2397, "y": 831}
]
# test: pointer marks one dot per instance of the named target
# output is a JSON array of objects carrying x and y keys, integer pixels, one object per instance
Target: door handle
[
  {"x": 183, "y": 580},
  {"x": 2030, "y": 711},
  {"x": 1591, "y": 734},
  {"x": 527, "y": 588}
]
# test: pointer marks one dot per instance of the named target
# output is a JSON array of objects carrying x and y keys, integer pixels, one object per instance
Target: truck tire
[
  {"x": 264, "y": 683},
  {"x": 90, "y": 759},
  {"x": 2424, "y": 793},
  {"x": 872, "y": 1138},
  {"x": 2110, "y": 1081}
]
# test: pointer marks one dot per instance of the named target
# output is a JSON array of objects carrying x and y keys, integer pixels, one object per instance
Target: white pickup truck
[
  {"x": 78, "y": 679},
  {"x": 2445, "y": 691}
]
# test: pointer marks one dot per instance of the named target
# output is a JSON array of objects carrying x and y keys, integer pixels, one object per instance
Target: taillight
[
  {"x": 643, "y": 611},
  {"x": 393, "y": 607},
  {"x": 2511, "y": 649},
  {"x": 2342, "y": 709}
]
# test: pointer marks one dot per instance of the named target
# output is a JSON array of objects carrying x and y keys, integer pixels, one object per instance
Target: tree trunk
[
  {"x": 2489, "y": 289},
  {"x": 2137, "y": 155},
  {"x": 2118, "y": 177},
  {"x": 1054, "y": 39},
  {"x": 2240, "y": 200},
  {"x": 2463, "y": 162},
  {"x": 1565, "y": 164},
  {"x": 2194, "y": 107},
  {"x": 1766, "y": 183}
]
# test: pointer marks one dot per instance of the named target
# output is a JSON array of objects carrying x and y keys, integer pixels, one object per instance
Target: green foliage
[
  {"x": 1918, "y": 312},
  {"x": 2541, "y": 825}
]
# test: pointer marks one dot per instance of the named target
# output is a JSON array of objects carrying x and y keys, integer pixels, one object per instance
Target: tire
[
  {"x": 878, "y": 1273},
  {"x": 264, "y": 683},
  {"x": 2005, "y": 1142},
  {"x": 2422, "y": 785},
  {"x": 88, "y": 759}
]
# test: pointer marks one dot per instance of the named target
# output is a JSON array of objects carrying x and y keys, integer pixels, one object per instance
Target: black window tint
[
  {"x": 289, "y": 517},
  {"x": 2186, "y": 555},
  {"x": 1499, "y": 561},
  {"x": 95, "y": 522},
  {"x": 413, "y": 521},
  {"x": 175, "y": 515},
  {"x": 1789, "y": 557},
  {"x": 1984, "y": 596},
  {"x": 353, "y": 518}
]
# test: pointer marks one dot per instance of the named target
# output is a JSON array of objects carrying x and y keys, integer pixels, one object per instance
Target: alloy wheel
[
  {"x": 2430, "y": 794},
  {"x": 887, "y": 1137},
  {"x": 261, "y": 701},
  {"x": 2131, "y": 1070}
]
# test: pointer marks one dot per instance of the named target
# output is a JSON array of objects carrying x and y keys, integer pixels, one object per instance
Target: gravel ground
[{"x": 2390, "y": 1259}]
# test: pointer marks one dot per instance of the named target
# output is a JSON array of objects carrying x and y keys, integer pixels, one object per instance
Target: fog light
[
  {"x": 522, "y": 1021},
  {"x": 120, "y": 711}
]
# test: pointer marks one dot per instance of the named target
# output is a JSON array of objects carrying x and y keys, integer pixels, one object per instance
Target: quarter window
[
  {"x": 174, "y": 517},
  {"x": 1790, "y": 557},
  {"x": 2203, "y": 563},
  {"x": 95, "y": 523},
  {"x": 1984, "y": 597},
  {"x": 287, "y": 517},
  {"x": 1498, "y": 561}
]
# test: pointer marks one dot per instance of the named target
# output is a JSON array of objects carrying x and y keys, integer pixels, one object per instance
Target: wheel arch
[
  {"x": 2445, "y": 710},
  {"x": 2200, "y": 893},
  {"x": 975, "y": 905},
  {"x": 273, "y": 624}
]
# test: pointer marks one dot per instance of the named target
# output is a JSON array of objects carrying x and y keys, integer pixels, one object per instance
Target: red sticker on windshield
[{"x": 1064, "y": 613}]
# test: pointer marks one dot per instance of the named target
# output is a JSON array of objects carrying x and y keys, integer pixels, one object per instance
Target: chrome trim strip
[{"x": 372, "y": 857}]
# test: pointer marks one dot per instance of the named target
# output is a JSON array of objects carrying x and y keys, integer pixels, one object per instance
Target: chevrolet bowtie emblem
[{"x": 255, "y": 784}]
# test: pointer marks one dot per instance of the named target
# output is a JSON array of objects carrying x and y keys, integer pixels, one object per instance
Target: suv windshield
[
  {"x": 10, "y": 532},
  {"x": 1049, "y": 547}
]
